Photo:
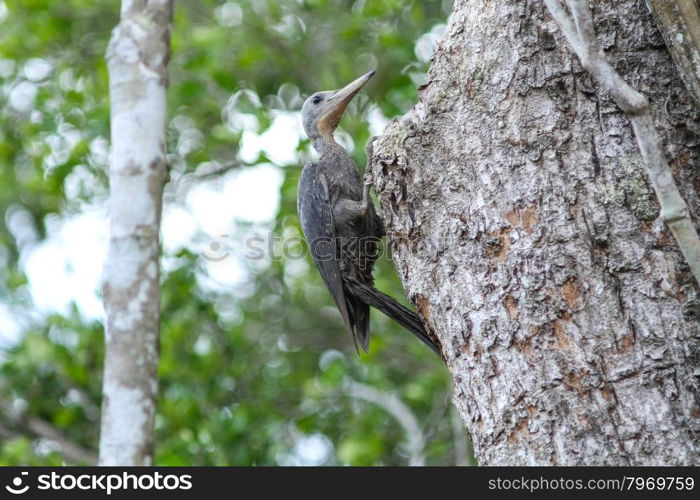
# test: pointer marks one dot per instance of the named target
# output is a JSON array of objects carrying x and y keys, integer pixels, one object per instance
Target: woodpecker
[{"x": 339, "y": 222}]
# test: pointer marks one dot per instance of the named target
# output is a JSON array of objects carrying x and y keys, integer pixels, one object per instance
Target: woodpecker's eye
[{"x": 317, "y": 99}]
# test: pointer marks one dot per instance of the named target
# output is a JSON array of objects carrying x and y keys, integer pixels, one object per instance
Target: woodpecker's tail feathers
[
  {"x": 387, "y": 305},
  {"x": 359, "y": 323}
]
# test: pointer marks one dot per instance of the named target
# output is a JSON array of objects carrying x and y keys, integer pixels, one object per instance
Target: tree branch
[
  {"x": 221, "y": 170},
  {"x": 69, "y": 449},
  {"x": 397, "y": 409},
  {"x": 580, "y": 33},
  {"x": 679, "y": 23}
]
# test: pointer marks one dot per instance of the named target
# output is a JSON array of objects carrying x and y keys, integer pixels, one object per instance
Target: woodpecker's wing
[{"x": 316, "y": 217}]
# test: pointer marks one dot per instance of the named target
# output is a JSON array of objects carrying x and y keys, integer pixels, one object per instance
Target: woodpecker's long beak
[
  {"x": 337, "y": 103},
  {"x": 343, "y": 96}
]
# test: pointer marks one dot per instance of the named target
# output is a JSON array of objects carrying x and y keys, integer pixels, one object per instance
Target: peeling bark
[
  {"x": 525, "y": 231},
  {"x": 679, "y": 23},
  {"x": 137, "y": 59}
]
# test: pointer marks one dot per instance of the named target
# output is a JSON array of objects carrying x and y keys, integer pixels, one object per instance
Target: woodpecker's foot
[
  {"x": 370, "y": 147},
  {"x": 368, "y": 181},
  {"x": 369, "y": 178}
]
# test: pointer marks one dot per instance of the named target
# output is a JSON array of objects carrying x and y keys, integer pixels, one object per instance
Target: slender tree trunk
[
  {"x": 528, "y": 236},
  {"x": 137, "y": 59}
]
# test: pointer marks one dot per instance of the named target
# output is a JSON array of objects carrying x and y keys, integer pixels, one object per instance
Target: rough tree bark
[
  {"x": 137, "y": 60},
  {"x": 527, "y": 234}
]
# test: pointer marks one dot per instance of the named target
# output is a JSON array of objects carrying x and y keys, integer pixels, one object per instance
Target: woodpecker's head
[{"x": 322, "y": 111}]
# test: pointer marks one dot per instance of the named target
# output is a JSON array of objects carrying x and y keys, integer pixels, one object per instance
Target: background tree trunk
[
  {"x": 137, "y": 60},
  {"x": 527, "y": 235}
]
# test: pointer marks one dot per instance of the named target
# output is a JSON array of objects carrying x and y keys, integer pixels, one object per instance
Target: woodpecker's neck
[{"x": 324, "y": 144}]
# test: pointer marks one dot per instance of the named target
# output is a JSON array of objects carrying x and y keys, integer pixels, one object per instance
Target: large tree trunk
[
  {"x": 137, "y": 59},
  {"x": 527, "y": 235}
]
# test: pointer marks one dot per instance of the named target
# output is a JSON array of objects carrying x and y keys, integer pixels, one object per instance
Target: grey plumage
[{"x": 340, "y": 223}]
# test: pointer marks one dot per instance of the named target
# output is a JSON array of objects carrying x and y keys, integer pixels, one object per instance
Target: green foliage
[{"x": 255, "y": 374}]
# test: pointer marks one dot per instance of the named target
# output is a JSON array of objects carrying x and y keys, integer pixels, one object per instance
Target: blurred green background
[{"x": 256, "y": 367}]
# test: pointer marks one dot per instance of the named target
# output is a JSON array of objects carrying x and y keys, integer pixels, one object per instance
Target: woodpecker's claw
[
  {"x": 370, "y": 147},
  {"x": 366, "y": 200}
]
